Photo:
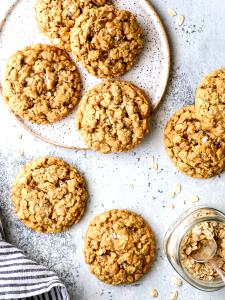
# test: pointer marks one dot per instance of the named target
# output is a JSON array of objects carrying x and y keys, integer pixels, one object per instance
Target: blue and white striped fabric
[{"x": 21, "y": 278}]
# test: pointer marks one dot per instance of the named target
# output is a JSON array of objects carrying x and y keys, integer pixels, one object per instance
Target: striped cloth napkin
[{"x": 21, "y": 278}]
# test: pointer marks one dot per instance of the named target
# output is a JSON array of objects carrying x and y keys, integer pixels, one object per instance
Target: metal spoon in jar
[{"x": 206, "y": 254}]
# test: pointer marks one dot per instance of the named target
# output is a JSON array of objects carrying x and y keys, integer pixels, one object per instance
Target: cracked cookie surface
[
  {"x": 210, "y": 101},
  {"x": 119, "y": 247},
  {"x": 42, "y": 84},
  {"x": 56, "y": 18},
  {"x": 106, "y": 41},
  {"x": 49, "y": 195},
  {"x": 114, "y": 116},
  {"x": 195, "y": 152}
]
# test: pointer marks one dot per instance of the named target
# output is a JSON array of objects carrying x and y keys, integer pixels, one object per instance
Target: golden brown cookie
[
  {"x": 119, "y": 247},
  {"x": 114, "y": 116},
  {"x": 42, "y": 84},
  {"x": 56, "y": 18},
  {"x": 195, "y": 152},
  {"x": 210, "y": 101},
  {"x": 49, "y": 195},
  {"x": 106, "y": 41}
]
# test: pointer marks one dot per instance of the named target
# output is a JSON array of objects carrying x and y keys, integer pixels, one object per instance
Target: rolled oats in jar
[{"x": 186, "y": 235}]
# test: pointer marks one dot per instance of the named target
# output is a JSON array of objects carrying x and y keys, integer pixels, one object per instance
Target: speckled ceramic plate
[{"x": 151, "y": 72}]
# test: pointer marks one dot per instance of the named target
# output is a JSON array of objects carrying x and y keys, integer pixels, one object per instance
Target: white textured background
[{"x": 125, "y": 180}]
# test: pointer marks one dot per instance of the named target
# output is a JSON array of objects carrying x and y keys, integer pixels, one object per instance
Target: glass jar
[{"x": 175, "y": 236}]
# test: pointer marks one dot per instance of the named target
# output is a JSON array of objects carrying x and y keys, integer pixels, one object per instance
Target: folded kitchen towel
[{"x": 21, "y": 278}]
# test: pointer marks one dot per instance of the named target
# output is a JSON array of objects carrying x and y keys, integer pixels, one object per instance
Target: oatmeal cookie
[
  {"x": 195, "y": 152},
  {"x": 106, "y": 41},
  {"x": 42, "y": 84},
  {"x": 210, "y": 101},
  {"x": 119, "y": 247},
  {"x": 56, "y": 18},
  {"x": 49, "y": 195},
  {"x": 114, "y": 116}
]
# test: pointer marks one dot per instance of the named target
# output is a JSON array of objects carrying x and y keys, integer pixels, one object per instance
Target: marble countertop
[{"x": 126, "y": 180}]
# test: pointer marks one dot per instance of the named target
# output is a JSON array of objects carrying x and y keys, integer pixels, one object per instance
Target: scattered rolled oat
[
  {"x": 180, "y": 21},
  {"x": 155, "y": 167},
  {"x": 153, "y": 164},
  {"x": 175, "y": 191},
  {"x": 178, "y": 188},
  {"x": 174, "y": 295},
  {"x": 19, "y": 136},
  {"x": 177, "y": 281},
  {"x": 152, "y": 196},
  {"x": 21, "y": 152},
  {"x": 172, "y": 195},
  {"x": 154, "y": 293},
  {"x": 194, "y": 199},
  {"x": 131, "y": 185},
  {"x": 170, "y": 206},
  {"x": 172, "y": 12},
  {"x": 190, "y": 30}
]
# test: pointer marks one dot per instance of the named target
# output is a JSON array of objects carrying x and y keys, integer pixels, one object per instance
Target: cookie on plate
[
  {"x": 195, "y": 152},
  {"x": 210, "y": 101},
  {"x": 42, "y": 84},
  {"x": 49, "y": 195},
  {"x": 56, "y": 18},
  {"x": 119, "y": 247},
  {"x": 106, "y": 41},
  {"x": 114, "y": 116}
]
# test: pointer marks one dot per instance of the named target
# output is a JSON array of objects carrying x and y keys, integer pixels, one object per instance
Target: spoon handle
[{"x": 218, "y": 270}]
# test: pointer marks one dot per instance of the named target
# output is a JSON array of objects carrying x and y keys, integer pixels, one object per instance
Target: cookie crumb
[
  {"x": 154, "y": 293},
  {"x": 174, "y": 295},
  {"x": 172, "y": 12},
  {"x": 177, "y": 281},
  {"x": 180, "y": 21}
]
